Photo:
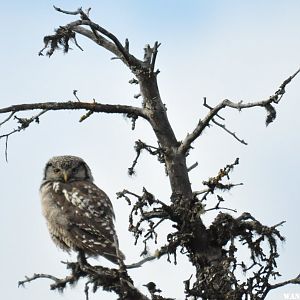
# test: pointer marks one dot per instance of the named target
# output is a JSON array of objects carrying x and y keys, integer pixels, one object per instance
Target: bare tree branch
[
  {"x": 100, "y": 40},
  {"x": 58, "y": 283},
  {"x": 97, "y": 33},
  {"x": 193, "y": 166},
  {"x": 155, "y": 50},
  {"x": 95, "y": 27},
  {"x": 71, "y": 105},
  {"x": 205, "y": 104},
  {"x": 202, "y": 124},
  {"x": 103, "y": 38},
  {"x": 76, "y": 12},
  {"x": 130, "y": 111}
]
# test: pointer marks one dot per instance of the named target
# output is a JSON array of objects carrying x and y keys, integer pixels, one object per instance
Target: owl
[{"x": 79, "y": 215}]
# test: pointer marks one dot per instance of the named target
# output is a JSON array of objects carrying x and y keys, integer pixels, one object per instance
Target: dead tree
[{"x": 211, "y": 250}]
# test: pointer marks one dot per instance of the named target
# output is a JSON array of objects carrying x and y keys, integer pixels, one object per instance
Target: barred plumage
[{"x": 79, "y": 215}]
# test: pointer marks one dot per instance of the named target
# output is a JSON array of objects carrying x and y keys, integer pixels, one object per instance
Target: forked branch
[
  {"x": 100, "y": 36},
  {"x": 267, "y": 104},
  {"x": 130, "y": 111}
]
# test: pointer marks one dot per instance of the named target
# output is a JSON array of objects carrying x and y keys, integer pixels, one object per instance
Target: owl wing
[
  {"x": 87, "y": 197},
  {"x": 90, "y": 216}
]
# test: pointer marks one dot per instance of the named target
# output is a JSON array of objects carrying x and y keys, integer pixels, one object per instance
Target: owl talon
[{"x": 81, "y": 258}]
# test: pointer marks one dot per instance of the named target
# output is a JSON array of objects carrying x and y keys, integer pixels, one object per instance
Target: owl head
[{"x": 67, "y": 168}]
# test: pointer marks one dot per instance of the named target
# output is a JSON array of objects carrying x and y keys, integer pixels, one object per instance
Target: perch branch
[{"x": 108, "y": 279}]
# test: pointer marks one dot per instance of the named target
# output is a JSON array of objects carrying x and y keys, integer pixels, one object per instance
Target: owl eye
[
  {"x": 74, "y": 170},
  {"x": 56, "y": 170}
]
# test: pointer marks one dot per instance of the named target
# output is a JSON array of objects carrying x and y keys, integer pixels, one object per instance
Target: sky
[{"x": 237, "y": 50}]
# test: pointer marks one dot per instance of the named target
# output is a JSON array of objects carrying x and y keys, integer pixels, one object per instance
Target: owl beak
[{"x": 66, "y": 176}]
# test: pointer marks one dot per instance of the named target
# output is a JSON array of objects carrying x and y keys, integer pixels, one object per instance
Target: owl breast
[
  {"x": 52, "y": 206},
  {"x": 54, "y": 210}
]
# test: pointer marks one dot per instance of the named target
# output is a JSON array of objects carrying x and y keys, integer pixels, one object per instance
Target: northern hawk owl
[{"x": 79, "y": 215}]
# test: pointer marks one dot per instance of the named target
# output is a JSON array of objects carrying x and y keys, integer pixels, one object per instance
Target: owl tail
[{"x": 114, "y": 258}]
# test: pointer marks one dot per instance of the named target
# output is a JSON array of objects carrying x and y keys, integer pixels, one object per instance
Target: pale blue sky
[{"x": 217, "y": 49}]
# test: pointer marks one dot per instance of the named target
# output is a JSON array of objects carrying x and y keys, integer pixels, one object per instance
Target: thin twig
[
  {"x": 7, "y": 119},
  {"x": 88, "y": 114},
  {"x": 76, "y": 43},
  {"x": 76, "y": 12},
  {"x": 193, "y": 166},
  {"x": 139, "y": 146},
  {"x": 46, "y": 276},
  {"x": 205, "y": 104},
  {"x": 155, "y": 50},
  {"x": 281, "y": 91},
  {"x": 196, "y": 193},
  {"x": 133, "y": 81},
  {"x": 228, "y": 131},
  {"x": 24, "y": 123},
  {"x": 220, "y": 208},
  {"x": 6, "y": 148},
  {"x": 75, "y": 94},
  {"x": 214, "y": 183},
  {"x": 86, "y": 289}
]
